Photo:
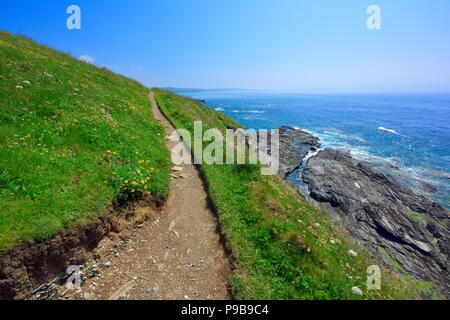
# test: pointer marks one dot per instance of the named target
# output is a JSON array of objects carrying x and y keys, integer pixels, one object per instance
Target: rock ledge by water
[
  {"x": 393, "y": 222},
  {"x": 405, "y": 229},
  {"x": 294, "y": 147}
]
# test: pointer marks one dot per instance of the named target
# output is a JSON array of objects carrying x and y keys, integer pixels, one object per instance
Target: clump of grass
[
  {"x": 426, "y": 289},
  {"x": 284, "y": 247},
  {"x": 73, "y": 138},
  {"x": 442, "y": 224},
  {"x": 415, "y": 216},
  {"x": 392, "y": 261}
]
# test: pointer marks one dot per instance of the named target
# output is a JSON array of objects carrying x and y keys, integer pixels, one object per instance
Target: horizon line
[{"x": 418, "y": 91}]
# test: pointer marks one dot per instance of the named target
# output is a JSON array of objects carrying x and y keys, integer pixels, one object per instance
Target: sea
[{"x": 405, "y": 134}]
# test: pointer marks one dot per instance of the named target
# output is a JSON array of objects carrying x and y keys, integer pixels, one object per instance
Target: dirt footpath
[{"x": 176, "y": 254}]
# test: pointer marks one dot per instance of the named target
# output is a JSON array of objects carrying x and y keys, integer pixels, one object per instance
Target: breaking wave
[{"x": 388, "y": 130}]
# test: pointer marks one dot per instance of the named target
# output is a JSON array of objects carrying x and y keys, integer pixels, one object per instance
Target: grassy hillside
[
  {"x": 283, "y": 246},
  {"x": 73, "y": 138}
]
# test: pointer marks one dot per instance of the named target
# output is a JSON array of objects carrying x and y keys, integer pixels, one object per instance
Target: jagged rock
[
  {"x": 294, "y": 147},
  {"x": 391, "y": 221},
  {"x": 428, "y": 187}
]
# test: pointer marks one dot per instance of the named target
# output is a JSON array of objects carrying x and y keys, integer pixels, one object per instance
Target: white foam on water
[
  {"x": 248, "y": 111},
  {"x": 331, "y": 141},
  {"x": 361, "y": 153},
  {"x": 342, "y": 135},
  {"x": 415, "y": 178},
  {"x": 412, "y": 177},
  {"x": 256, "y": 111},
  {"x": 388, "y": 130}
]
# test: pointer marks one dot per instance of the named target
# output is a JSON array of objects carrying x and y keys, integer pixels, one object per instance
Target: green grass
[
  {"x": 415, "y": 216},
  {"x": 282, "y": 245},
  {"x": 73, "y": 138},
  {"x": 425, "y": 288},
  {"x": 443, "y": 224}
]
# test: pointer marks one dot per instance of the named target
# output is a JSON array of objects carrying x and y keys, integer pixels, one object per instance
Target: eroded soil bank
[{"x": 31, "y": 264}]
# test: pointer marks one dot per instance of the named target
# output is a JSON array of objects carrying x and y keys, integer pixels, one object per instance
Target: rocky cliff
[
  {"x": 294, "y": 146},
  {"x": 405, "y": 229}
]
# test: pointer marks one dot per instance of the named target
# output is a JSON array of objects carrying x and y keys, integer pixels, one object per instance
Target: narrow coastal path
[{"x": 176, "y": 254}]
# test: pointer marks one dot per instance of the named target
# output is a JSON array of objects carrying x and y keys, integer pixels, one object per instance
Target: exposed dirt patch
[{"x": 26, "y": 266}]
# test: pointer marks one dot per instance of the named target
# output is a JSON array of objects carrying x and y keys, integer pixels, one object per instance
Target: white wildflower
[
  {"x": 352, "y": 253},
  {"x": 357, "y": 291}
]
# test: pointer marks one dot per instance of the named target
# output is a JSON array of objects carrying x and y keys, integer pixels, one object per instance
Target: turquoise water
[{"x": 406, "y": 134}]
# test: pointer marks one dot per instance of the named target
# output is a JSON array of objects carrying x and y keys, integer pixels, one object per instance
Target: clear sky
[{"x": 252, "y": 44}]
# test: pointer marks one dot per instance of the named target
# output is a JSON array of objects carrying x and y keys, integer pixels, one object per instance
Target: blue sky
[{"x": 271, "y": 44}]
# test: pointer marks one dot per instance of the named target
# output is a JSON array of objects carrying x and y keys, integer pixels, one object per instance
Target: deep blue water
[{"x": 408, "y": 131}]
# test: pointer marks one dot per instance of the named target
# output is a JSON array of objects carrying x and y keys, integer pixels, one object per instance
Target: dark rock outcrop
[
  {"x": 428, "y": 187},
  {"x": 393, "y": 222},
  {"x": 294, "y": 147}
]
